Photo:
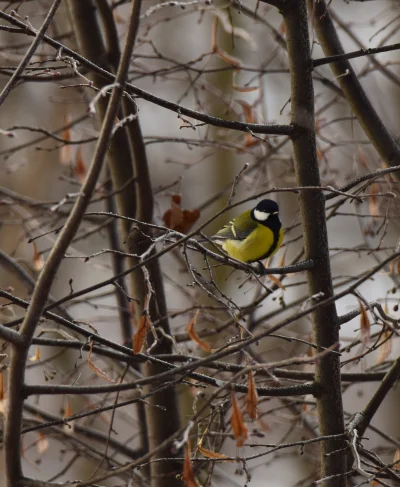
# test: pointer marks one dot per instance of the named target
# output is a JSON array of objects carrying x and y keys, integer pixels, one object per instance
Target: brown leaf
[
  {"x": 36, "y": 357},
  {"x": 365, "y": 325},
  {"x": 276, "y": 281},
  {"x": 213, "y": 454},
  {"x": 188, "y": 474},
  {"x": 194, "y": 336},
  {"x": 140, "y": 335},
  {"x": 283, "y": 259},
  {"x": 232, "y": 61},
  {"x": 396, "y": 458},
  {"x": 373, "y": 200},
  {"x": 244, "y": 89},
  {"x": 320, "y": 154},
  {"x": 250, "y": 141},
  {"x": 68, "y": 427},
  {"x": 237, "y": 422},
  {"x": 214, "y": 34},
  {"x": 386, "y": 348},
  {"x": 38, "y": 261},
  {"x": 318, "y": 126},
  {"x": 80, "y": 166},
  {"x": 67, "y": 410},
  {"x": 248, "y": 111},
  {"x": 251, "y": 397},
  {"x": 94, "y": 367},
  {"x": 42, "y": 443},
  {"x": 177, "y": 219},
  {"x": 133, "y": 314}
]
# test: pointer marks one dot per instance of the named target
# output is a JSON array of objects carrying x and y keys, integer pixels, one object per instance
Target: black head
[{"x": 264, "y": 210}]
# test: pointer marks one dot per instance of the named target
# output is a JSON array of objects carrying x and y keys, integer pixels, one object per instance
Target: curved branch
[
  {"x": 12, "y": 434},
  {"x": 383, "y": 141}
]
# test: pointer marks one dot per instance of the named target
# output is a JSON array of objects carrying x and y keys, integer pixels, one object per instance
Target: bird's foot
[{"x": 261, "y": 268}]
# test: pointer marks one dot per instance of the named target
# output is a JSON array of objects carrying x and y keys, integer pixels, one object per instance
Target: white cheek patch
[{"x": 260, "y": 215}]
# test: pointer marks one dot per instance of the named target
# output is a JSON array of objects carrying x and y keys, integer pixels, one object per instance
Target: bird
[{"x": 254, "y": 235}]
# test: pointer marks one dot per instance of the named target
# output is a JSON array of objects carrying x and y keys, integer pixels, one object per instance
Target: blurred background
[{"x": 188, "y": 54}]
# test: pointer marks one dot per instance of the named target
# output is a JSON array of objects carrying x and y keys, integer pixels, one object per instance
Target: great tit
[{"x": 254, "y": 235}]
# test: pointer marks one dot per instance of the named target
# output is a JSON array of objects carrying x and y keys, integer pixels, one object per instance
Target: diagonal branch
[
  {"x": 30, "y": 52},
  {"x": 12, "y": 435},
  {"x": 381, "y": 138}
]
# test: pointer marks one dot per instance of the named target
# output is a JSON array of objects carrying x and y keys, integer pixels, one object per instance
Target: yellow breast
[{"x": 255, "y": 247}]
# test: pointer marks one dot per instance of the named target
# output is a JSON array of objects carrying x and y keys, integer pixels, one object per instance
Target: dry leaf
[
  {"x": 213, "y": 454},
  {"x": 244, "y": 89},
  {"x": 373, "y": 200},
  {"x": 248, "y": 111},
  {"x": 94, "y": 367},
  {"x": 214, "y": 34},
  {"x": 250, "y": 117},
  {"x": 283, "y": 259},
  {"x": 251, "y": 397},
  {"x": 250, "y": 141},
  {"x": 36, "y": 357},
  {"x": 365, "y": 325},
  {"x": 68, "y": 427},
  {"x": 188, "y": 474},
  {"x": 237, "y": 422},
  {"x": 80, "y": 166},
  {"x": 38, "y": 261},
  {"x": 386, "y": 348},
  {"x": 194, "y": 336},
  {"x": 177, "y": 219},
  {"x": 396, "y": 458},
  {"x": 276, "y": 281},
  {"x": 231, "y": 60},
  {"x": 140, "y": 335},
  {"x": 42, "y": 443},
  {"x": 68, "y": 410}
]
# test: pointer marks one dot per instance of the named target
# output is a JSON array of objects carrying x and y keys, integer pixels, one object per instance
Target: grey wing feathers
[{"x": 229, "y": 231}]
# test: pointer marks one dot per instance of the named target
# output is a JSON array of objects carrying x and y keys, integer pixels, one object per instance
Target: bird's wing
[{"x": 238, "y": 229}]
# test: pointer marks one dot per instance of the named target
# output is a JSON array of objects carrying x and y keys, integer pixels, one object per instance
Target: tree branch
[
  {"x": 312, "y": 205},
  {"x": 30, "y": 52},
  {"x": 381, "y": 138},
  {"x": 12, "y": 439},
  {"x": 257, "y": 128}
]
